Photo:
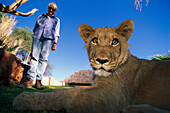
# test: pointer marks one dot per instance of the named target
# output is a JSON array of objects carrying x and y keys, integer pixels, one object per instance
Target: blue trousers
[{"x": 39, "y": 57}]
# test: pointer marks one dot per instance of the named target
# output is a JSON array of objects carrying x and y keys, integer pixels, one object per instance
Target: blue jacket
[{"x": 46, "y": 26}]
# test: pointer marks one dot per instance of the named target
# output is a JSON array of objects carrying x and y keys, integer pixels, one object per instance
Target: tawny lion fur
[
  {"x": 121, "y": 81},
  {"x": 11, "y": 70}
]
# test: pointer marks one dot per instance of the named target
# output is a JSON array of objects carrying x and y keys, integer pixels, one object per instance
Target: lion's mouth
[
  {"x": 102, "y": 69},
  {"x": 102, "y": 72}
]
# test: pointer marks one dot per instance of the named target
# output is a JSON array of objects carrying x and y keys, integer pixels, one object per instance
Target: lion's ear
[
  {"x": 125, "y": 28},
  {"x": 85, "y": 31}
]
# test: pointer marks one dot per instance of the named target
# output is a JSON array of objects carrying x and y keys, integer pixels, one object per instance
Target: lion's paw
[{"x": 22, "y": 102}]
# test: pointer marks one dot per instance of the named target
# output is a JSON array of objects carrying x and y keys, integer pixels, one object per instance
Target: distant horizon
[{"x": 151, "y": 34}]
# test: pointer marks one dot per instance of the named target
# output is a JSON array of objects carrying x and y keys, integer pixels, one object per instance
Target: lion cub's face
[{"x": 107, "y": 47}]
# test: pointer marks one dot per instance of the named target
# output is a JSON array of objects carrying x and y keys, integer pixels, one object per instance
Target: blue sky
[{"x": 151, "y": 34}]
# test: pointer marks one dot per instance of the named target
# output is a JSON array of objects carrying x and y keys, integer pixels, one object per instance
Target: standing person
[{"x": 46, "y": 34}]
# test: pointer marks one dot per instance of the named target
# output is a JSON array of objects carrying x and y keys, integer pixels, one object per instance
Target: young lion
[{"x": 121, "y": 82}]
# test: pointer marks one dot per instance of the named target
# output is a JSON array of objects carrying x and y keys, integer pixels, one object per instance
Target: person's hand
[
  {"x": 55, "y": 43},
  {"x": 54, "y": 46}
]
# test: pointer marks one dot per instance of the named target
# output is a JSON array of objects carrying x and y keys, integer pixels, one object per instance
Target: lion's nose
[{"x": 102, "y": 61}]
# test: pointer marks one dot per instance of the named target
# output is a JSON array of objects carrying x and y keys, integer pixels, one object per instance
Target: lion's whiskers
[
  {"x": 119, "y": 78},
  {"x": 117, "y": 74},
  {"x": 119, "y": 69}
]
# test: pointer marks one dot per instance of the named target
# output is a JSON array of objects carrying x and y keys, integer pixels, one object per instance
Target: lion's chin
[{"x": 102, "y": 73}]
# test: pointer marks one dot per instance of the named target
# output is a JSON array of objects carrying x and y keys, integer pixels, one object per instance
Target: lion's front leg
[
  {"x": 37, "y": 101},
  {"x": 143, "y": 108},
  {"x": 76, "y": 100}
]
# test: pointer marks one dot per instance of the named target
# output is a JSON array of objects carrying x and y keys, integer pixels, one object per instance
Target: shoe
[
  {"x": 38, "y": 85},
  {"x": 27, "y": 83}
]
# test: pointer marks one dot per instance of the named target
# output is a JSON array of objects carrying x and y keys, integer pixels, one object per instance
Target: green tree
[
  {"x": 6, "y": 25},
  {"x": 1, "y": 15},
  {"x": 24, "y": 34},
  {"x": 48, "y": 69},
  {"x": 161, "y": 57}
]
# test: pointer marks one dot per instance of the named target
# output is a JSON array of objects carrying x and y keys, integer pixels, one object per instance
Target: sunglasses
[{"x": 52, "y": 8}]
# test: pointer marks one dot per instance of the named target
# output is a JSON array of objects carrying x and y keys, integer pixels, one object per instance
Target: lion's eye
[
  {"x": 94, "y": 41},
  {"x": 115, "y": 41}
]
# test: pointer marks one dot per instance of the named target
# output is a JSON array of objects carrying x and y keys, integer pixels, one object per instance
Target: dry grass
[
  {"x": 138, "y": 4},
  {"x": 6, "y": 26}
]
